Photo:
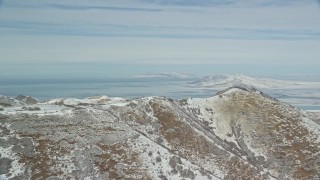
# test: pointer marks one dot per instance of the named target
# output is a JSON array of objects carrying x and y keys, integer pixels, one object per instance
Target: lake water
[
  {"x": 117, "y": 87},
  {"x": 132, "y": 88}
]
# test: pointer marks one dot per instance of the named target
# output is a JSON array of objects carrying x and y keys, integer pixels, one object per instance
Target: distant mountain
[
  {"x": 222, "y": 81},
  {"x": 27, "y": 99},
  {"x": 165, "y": 75},
  {"x": 6, "y": 101},
  {"x": 241, "y": 133}
]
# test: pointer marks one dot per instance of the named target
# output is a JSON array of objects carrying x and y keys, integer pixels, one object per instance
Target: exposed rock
[
  {"x": 239, "y": 134},
  {"x": 5, "y": 165},
  {"x": 8, "y": 101},
  {"x": 27, "y": 99},
  {"x": 4, "y": 131}
]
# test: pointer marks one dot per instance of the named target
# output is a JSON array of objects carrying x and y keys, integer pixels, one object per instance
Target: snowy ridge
[
  {"x": 224, "y": 81},
  {"x": 85, "y": 101},
  {"x": 6, "y": 101},
  {"x": 239, "y": 133}
]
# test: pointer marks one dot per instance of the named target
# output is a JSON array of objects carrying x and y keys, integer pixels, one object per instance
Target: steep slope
[
  {"x": 239, "y": 133},
  {"x": 274, "y": 137}
]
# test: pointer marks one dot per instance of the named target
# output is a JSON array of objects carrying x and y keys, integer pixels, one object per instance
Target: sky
[{"x": 200, "y": 33}]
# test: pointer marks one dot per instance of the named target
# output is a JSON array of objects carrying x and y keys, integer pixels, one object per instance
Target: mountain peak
[
  {"x": 223, "y": 81},
  {"x": 238, "y": 87},
  {"x": 242, "y": 135}
]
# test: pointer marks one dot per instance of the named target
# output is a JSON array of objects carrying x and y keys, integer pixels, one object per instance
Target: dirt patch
[
  {"x": 180, "y": 135},
  {"x": 239, "y": 170},
  {"x": 278, "y": 130},
  {"x": 120, "y": 162},
  {"x": 44, "y": 159},
  {"x": 136, "y": 117}
]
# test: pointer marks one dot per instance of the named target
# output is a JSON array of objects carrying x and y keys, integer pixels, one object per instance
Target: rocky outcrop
[
  {"x": 27, "y": 99},
  {"x": 239, "y": 134},
  {"x": 6, "y": 101}
]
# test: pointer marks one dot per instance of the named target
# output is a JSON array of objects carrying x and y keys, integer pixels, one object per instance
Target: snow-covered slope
[
  {"x": 223, "y": 81},
  {"x": 241, "y": 133}
]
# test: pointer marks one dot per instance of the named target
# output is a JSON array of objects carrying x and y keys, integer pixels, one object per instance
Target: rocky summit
[{"x": 240, "y": 133}]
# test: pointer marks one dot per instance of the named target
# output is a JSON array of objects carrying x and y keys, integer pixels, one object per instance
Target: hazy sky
[{"x": 160, "y": 31}]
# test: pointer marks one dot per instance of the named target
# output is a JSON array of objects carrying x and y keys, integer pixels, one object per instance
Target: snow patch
[
  {"x": 313, "y": 127},
  {"x": 157, "y": 159}
]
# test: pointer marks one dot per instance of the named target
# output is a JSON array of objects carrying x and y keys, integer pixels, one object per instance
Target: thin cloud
[
  {"x": 82, "y": 7},
  {"x": 205, "y": 3},
  {"x": 147, "y": 29},
  {"x": 172, "y": 32},
  {"x": 79, "y": 7},
  {"x": 190, "y": 2}
]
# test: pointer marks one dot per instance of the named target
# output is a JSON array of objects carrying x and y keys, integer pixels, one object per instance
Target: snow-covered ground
[
  {"x": 223, "y": 81},
  {"x": 303, "y": 94},
  {"x": 238, "y": 133}
]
